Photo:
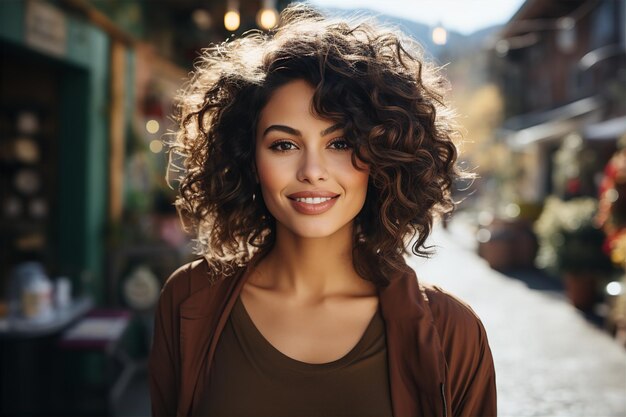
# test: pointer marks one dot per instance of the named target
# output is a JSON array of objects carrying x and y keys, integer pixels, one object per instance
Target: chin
[{"x": 316, "y": 229}]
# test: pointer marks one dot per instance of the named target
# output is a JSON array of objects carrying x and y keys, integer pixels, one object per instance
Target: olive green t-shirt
[{"x": 250, "y": 377}]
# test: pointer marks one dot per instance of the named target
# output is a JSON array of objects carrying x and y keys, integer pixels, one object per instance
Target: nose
[{"x": 312, "y": 168}]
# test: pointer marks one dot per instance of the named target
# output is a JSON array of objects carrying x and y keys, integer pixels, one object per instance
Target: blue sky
[{"x": 464, "y": 16}]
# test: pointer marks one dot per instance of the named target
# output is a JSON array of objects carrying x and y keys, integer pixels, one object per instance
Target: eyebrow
[{"x": 296, "y": 132}]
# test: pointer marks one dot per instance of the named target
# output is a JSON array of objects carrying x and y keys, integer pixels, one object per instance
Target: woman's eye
[
  {"x": 282, "y": 146},
  {"x": 340, "y": 145}
]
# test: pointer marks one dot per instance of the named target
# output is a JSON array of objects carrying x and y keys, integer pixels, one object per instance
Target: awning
[
  {"x": 606, "y": 130},
  {"x": 542, "y": 132},
  {"x": 524, "y": 130}
]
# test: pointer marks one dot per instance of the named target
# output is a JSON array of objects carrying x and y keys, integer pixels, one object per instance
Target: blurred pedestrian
[{"x": 313, "y": 154}]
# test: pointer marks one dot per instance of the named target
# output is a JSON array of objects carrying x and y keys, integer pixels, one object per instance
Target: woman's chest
[
  {"x": 249, "y": 376},
  {"x": 317, "y": 333}
]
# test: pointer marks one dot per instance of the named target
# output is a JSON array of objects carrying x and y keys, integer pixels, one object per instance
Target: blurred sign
[{"x": 46, "y": 28}]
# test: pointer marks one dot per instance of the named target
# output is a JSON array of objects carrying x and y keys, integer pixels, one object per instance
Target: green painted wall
[
  {"x": 12, "y": 20},
  {"x": 83, "y": 153},
  {"x": 91, "y": 153}
]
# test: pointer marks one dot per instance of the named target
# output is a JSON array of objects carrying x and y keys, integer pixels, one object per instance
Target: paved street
[{"x": 549, "y": 360}]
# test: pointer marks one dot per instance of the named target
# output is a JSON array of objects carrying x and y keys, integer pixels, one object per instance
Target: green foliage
[
  {"x": 568, "y": 239},
  {"x": 582, "y": 251}
]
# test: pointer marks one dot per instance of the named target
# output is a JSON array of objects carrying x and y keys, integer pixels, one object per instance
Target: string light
[
  {"x": 440, "y": 35},
  {"x": 231, "y": 17},
  {"x": 156, "y": 146},
  {"x": 202, "y": 19},
  {"x": 152, "y": 126},
  {"x": 267, "y": 17}
]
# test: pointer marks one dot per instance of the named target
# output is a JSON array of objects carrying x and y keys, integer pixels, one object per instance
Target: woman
[{"x": 313, "y": 155}]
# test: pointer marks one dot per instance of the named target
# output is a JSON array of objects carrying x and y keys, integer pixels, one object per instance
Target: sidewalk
[{"x": 550, "y": 361}]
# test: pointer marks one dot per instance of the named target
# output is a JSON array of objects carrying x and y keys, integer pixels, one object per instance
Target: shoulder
[
  {"x": 191, "y": 278},
  {"x": 447, "y": 307},
  {"x": 179, "y": 283},
  {"x": 194, "y": 276},
  {"x": 470, "y": 367},
  {"x": 181, "y": 277},
  {"x": 458, "y": 325}
]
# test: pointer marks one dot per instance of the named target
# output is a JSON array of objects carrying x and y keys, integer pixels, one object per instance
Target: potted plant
[{"x": 570, "y": 245}]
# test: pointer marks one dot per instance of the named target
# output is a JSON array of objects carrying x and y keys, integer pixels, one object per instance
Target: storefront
[{"x": 55, "y": 128}]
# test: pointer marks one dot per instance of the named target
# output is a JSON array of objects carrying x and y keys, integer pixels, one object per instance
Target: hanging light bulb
[
  {"x": 231, "y": 17},
  {"x": 202, "y": 19},
  {"x": 440, "y": 35},
  {"x": 231, "y": 20},
  {"x": 267, "y": 17}
]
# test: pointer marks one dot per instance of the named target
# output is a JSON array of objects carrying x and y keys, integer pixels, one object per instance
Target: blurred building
[
  {"x": 86, "y": 98},
  {"x": 561, "y": 65},
  {"x": 85, "y": 103}
]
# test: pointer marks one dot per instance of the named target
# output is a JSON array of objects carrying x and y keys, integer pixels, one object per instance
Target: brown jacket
[{"x": 439, "y": 359}]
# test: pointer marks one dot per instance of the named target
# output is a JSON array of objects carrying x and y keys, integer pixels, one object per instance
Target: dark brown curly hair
[{"x": 372, "y": 80}]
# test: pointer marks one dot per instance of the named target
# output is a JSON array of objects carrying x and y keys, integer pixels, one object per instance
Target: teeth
[{"x": 315, "y": 200}]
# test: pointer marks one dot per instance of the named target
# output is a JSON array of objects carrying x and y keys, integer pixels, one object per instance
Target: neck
[{"x": 312, "y": 267}]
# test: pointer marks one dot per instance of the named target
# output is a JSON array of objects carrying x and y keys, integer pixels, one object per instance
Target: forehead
[
  {"x": 293, "y": 97},
  {"x": 290, "y": 103},
  {"x": 290, "y": 109}
]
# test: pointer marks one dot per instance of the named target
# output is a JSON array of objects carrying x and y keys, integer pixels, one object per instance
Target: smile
[
  {"x": 312, "y": 205},
  {"x": 315, "y": 200}
]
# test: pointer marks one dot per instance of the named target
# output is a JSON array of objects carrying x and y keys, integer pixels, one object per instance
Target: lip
[
  {"x": 306, "y": 208},
  {"x": 312, "y": 194}
]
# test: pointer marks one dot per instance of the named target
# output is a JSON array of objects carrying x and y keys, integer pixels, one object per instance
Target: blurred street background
[
  {"x": 88, "y": 232},
  {"x": 550, "y": 359}
]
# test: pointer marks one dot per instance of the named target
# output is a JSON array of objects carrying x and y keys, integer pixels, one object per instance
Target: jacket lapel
[
  {"x": 203, "y": 316},
  {"x": 417, "y": 366}
]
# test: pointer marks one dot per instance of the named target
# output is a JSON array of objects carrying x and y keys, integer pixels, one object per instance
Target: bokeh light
[
  {"x": 156, "y": 146},
  {"x": 152, "y": 126},
  {"x": 440, "y": 35},
  {"x": 267, "y": 18},
  {"x": 231, "y": 20}
]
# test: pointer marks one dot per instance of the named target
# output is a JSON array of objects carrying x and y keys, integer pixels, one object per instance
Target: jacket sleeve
[
  {"x": 164, "y": 358},
  {"x": 471, "y": 379},
  {"x": 475, "y": 391}
]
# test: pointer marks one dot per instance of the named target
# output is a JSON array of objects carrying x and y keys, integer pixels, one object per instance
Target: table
[
  {"x": 30, "y": 377},
  {"x": 22, "y": 328},
  {"x": 101, "y": 331}
]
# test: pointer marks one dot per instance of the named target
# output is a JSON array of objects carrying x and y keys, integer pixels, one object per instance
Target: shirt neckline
[{"x": 242, "y": 318}]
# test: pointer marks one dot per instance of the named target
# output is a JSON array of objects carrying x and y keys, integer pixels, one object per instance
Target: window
[{"x": 603, "y": 24}]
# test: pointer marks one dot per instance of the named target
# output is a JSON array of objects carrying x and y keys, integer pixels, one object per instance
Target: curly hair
[{"x": 372, "y": 80}]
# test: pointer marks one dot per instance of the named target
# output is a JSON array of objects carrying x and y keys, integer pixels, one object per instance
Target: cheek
[
  {"x": 270, "y": 175},
  {"x": 362, "y": 182},
  {"x": 355, "y": 179},
  {"x": 363, "y": 174}
]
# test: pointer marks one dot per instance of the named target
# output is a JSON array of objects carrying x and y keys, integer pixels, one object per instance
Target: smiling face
[{"x": 304, "y": 166}]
